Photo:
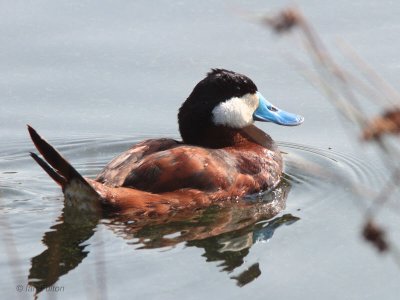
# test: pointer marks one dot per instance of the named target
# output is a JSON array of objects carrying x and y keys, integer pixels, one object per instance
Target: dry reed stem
[
  {"x": 375, "y": 235},
  {"x": 343, "y": 89}
]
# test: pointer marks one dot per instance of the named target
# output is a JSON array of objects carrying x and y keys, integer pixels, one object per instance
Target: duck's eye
[{"x": 272, "y": 108}]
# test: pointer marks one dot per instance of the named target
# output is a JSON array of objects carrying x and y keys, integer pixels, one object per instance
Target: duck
[{"x": 222, "y": 156}]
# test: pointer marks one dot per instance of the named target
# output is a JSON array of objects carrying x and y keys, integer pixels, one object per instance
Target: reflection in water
[
  {"x": 64, "y": 247},
  {"x": 232, "y": 247},
  {"x": 226, "y": 234}
]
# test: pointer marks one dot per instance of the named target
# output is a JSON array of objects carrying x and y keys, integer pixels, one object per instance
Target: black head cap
[{"x": 195, "y": 114}]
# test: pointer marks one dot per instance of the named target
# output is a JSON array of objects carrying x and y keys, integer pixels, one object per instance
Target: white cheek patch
[{"x": 236, "y": 112}]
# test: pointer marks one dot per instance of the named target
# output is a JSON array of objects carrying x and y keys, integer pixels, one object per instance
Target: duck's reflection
[
  {"x": 65, "y": 249},
  {"x": 225, "y": 233}
]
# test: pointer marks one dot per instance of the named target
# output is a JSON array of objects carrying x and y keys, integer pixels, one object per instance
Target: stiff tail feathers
[
  {"x": 54, "y": 164},
  {"x": 49, "y": 170}
]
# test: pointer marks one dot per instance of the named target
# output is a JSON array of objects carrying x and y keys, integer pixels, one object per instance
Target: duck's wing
[
  {"x": 160, "y": 167},
  {"x": 169, "y": 166},
  {"x": 116, "y": 171},
  {"x": 183, "y": 167}
]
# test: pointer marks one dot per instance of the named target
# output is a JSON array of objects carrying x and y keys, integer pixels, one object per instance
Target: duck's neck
[{"x": 221, "y": 137}]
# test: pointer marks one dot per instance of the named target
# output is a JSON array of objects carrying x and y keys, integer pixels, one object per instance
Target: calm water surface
[{"x": 95, "y": 79}]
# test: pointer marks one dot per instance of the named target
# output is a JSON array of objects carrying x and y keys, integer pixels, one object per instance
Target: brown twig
[{"x": 343, "y": 89}]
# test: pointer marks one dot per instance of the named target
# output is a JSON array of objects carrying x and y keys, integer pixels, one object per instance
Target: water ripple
[
  {"x": 309, "y": 166},
  {"x": 316, "y": 165}
]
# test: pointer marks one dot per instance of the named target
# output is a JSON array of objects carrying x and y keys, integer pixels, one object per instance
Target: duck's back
[
  {"x": 165, "y": 165},
  {"x": 117, "y": 170}
]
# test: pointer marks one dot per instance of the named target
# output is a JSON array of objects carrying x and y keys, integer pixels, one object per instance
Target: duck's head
[{"x": 224, "y": 103}]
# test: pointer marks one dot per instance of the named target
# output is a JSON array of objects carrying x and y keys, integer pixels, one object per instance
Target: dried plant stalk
[{"x": 346, "y": 92}]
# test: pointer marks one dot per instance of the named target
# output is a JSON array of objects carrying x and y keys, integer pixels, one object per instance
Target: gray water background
[{"x": 85, "y": 70}]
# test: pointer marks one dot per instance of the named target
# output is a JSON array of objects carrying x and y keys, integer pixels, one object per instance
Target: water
[{"x": 97, "y": 78}]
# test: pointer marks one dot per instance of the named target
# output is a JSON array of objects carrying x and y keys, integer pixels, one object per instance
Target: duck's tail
[{"x": 57, "y": 167}]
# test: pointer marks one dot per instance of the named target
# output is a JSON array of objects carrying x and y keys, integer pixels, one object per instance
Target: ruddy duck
[{"x": 222, "y": 155}]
